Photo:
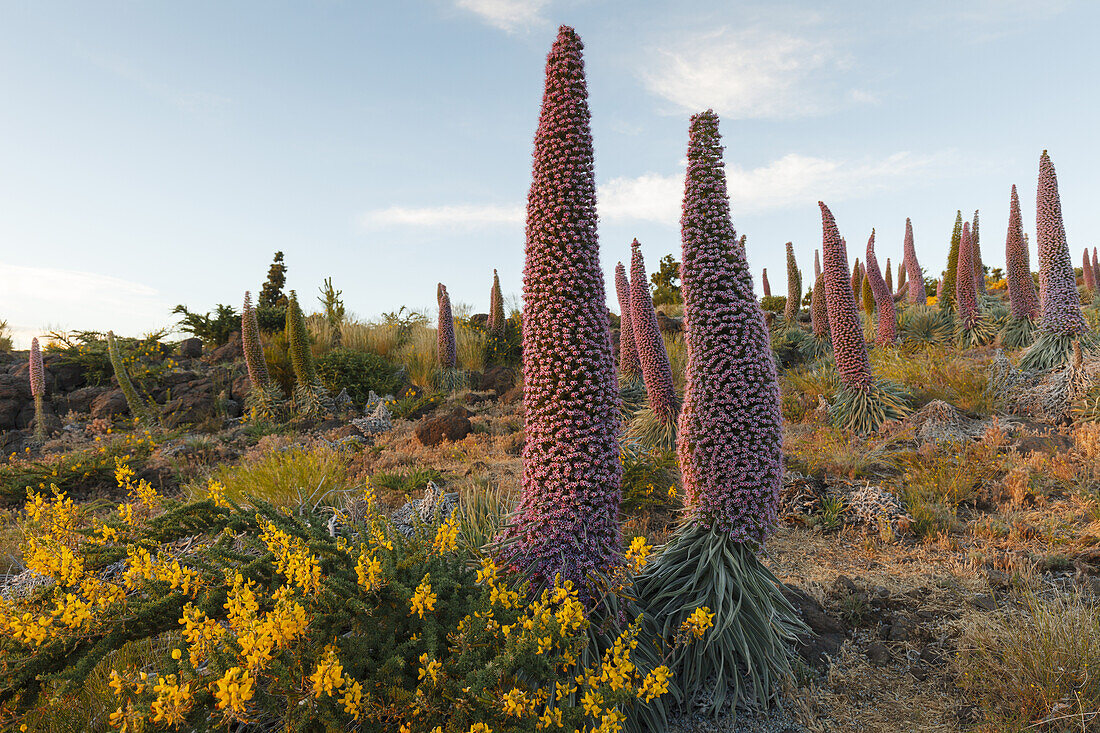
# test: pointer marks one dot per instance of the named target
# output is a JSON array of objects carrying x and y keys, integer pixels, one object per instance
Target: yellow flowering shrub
[{"x": 260, "y": 614}]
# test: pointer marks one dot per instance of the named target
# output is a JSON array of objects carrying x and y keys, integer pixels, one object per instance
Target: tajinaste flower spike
[
  {"x": 913, "y": 269},
  {"x": 654, "y": 425},
  {"x": 965, "y": 289},
  {"x": 889, "y": 275},
  {"x": 951, "y": 272},
  {"x": 887, "y": 331},
  {"x": 939, "y": 290},
  {"x": 849, "y": 349},
  {"x": 38, "y": 390},
  {"x": 629, "y": 370},
  {"x": 140, "y": 410},
  {"x": 1018, "y": 331},
  {"x": 263, "y": 396},
  {"x": 567, "y": 520},
  {"x": 862, "y": 403},
  {"x": 819, "y": 314},
  {"x": 1096, "y": 266},
  {"x": 308, "y": 390},
  {"x": 1062, "y": 321},
  {"x": 866, "y": 294},
  {"x": 730, "y": 449},
  {"x": 1086, "y": 271},
  {"x": 766, "y": 285},
  {"x": 979, "y": 267},
  {"x": 496, "y": 323},
  {"x": 817, "y": 265},
  {"x": 857, "y": 276},
  {"x": 445, "y": 332},
  {"x": 794, "y": 287}
]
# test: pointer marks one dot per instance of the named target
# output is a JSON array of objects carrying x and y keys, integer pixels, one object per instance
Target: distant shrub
[
  {"x": 774, "y": 303},
  {"x": 272, "y": 318},
  {"x": 358, "y": 372},
  {"x": 284, "y": 478}
]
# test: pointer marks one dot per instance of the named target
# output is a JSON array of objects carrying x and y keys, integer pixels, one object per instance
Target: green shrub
[
  {"x": 774, "y": 303},
  {"x": 284, "y": 478},
  {"x": 358, "y": 372}
]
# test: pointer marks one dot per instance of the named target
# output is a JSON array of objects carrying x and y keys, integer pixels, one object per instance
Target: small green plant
[
  {"x": 774, "y": 303},
  {"x": 293, "y": 477},
  {"x": 666, "y": 282},
  {"x": 358, "y": 372}
]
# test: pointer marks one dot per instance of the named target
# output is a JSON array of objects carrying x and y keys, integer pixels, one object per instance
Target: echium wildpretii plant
[
  {"x": 887, "y": 330},
  {"x": 794, "y": 287},
  {"x": 973, "y": 328},
  {"x": 817, "y": 265},
  {"x": 948, "y": 297},
  {"x": 901, "y": 291},
  {"x": 629, "y": 369},
  {"x": 1087, "y": 273},
  {"x": 1096, "y": 265},
  {"x": 140, "y": 409},
  {"x": 449, "y": 377},
  {"x": 631, "y": 386},
  {"x": 764, "y": 284},
  {"x": 889, "y": 277},
  {"x": 862, "y": 402},
  {"x": 857, "y": 276},
  {"x": 496, "y": 323},
  {"x": 819, "y": 313},
  {"x": 38, "y": 390},
  {"x": 308, "y": 390},
  {"x": 912, "y": 268},
  {"x": 654, "y": 426},
  {"x": 566, "y": 523},
  {"x": 979, "y": 266},
  {"x": 263, "y": 396},
  {"x": 866, "y": 294},
  {"x": 730, "y": 451},
  {"x": 1062, "y": 322}
]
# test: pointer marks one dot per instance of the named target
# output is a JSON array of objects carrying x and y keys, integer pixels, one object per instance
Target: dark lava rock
[
  {"x": 191, "y": 348},
  {"x": 826, "y": 633},
  {"x": 110, "y": 403},
  {"x": 878, "y": 654},
  {"x": 499, "y": 379},
  {"x": 453, "y": 426},
  {"x": 232, "y": 350}
]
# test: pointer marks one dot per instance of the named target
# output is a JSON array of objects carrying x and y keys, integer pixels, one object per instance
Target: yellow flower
[
  {"x": 592, "y": 702},
  {"x": 480, "y": 728},
  {"x": 233, "y": 691},
  {"x": 446, "y": 538},
  {"x": 369, "y": 571},
  {"x": 698, "y": 622},
  {"x": 329, "y": 675},
  {"x": 429, "y": 669},
  {"x": 638, "y": 554},
  {"x": 423, "y": 599},
  {"x": 353, "y": 699},
  {"x": 514, "y": 702},
  {"x": 655, "y": 684},
  {"x": 173, "y": 701}
]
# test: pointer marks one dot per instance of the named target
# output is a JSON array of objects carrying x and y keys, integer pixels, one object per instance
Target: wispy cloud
[
  {"x": 508, "y": 15},
  {"x": 751, "y": 73},
  {"x": 41, "y": 298},
  {"x": 790, "y": 181},
  {"x": 449, "y": 216}
]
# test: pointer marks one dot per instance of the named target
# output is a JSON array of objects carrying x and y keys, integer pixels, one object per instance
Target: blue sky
[{"x": 159, "y": 153}]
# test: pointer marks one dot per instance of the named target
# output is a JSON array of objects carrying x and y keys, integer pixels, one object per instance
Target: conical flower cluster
[
  {"x": 1061, "y": 307},
  {"x": 37, "y": 371},
  {"x": 629, "y": 369},
  {"x": 887, "y": 332},
  {"x": 965, "y": 289},
  {"x": 951, "y": 273},
  {"x": 794, "y": 286},
  {"x": 495, "y": 324},
  {"x": 912, "y": 268},
  {"x": 567, "y": 519},
  {"x": 254, "y": 360},
  {"x": 819, "y": 313},
  {"x": 652, "y": 355},
  {"x": 1086, "y": 271},
  {"x": 767, "y": 286},
  {"x": 889, "y": 276},
  {"x": 445, "y": 331},
  {"x": 857, "y": 275},
  {"x": 849, "y": 349},
  {"x": 730, "y": 433},
  {"x": 301, "y": 357},
  {"x": 817, "y": 265}
]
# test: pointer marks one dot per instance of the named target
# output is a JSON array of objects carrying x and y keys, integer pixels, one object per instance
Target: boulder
[
  {"x": 242, "y": 385},
  {"x": 499, "y": 379},
  {"x": 79, "y": 400},
  {"x": 191, "y": 402},
  {"x": 232, "y": 350},
  {"x": 15, "y": 396},
  {"x": 191, "y": 348},
  {"x": 109, "y": 404},
  {"x": 452, "y": 426}
]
